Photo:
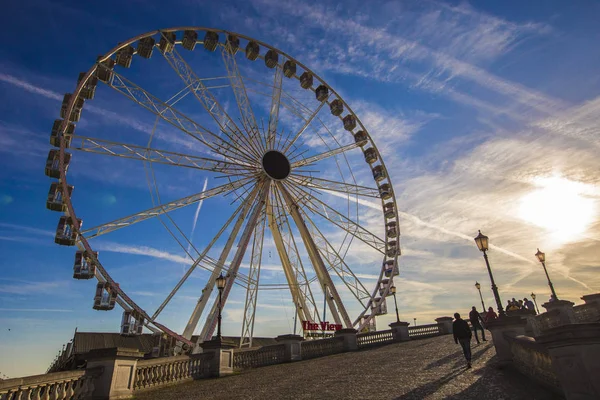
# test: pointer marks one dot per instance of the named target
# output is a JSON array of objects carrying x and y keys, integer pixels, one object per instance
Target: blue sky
[{"x": 486, "y": 115}]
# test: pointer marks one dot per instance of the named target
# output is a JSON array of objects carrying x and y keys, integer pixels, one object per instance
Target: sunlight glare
[{"x": 559, "y": 206}]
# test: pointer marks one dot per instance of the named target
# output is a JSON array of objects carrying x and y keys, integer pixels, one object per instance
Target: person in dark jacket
[
  {"x": 476, "y": 320},
  {"x": 462, "y": 335}
]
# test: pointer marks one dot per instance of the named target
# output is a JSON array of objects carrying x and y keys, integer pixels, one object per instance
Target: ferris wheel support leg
[
  {"x": 297, "y": 295},
  {"x": 252, "y": 287},
  {"x": 206, "y": 292},
  {"x": 334, "y": 301},
  {"x": 211, "y": 320}
]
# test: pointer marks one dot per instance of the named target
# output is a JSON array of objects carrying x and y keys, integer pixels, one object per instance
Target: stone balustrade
[
  {"x": 533, "y": 360},
  {"x": 75, "y": 385},
  {"x": 548, "y": 320},
  {"x": 424, "y": 331},
  {"x": 377, "y": 338},
  {"x": 164, "y": 371},
  {"x": 588, "y": 312},
  {"x": 267, "y": 355},
  {"x": 322, "y": 347}
]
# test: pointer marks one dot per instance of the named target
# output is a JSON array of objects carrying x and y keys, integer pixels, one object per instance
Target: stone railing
[
  {"x": 589, "y": 312},
  {"x": 377, "y": 338},
  {"x": 267, "y": 355},
  {"x": 533, "y": 360},
  {"x": 424, "y": 331},
  {"x": 321, "y": 347},
  {"x": 164, "y": 371},
  {"x": 71, "y": 385},
  {"x": 548, "y": 320}
]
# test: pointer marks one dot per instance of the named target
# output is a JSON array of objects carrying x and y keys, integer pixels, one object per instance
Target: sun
[{"x": 560, "y": 206}]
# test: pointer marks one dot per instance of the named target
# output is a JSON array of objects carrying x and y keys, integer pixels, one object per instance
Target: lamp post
[
  {"x": 478, "y": 286},
  {"x": 482, "y": 244},
  {"x": 220, "y": 286},
  {"x": 542, "y": 258},
  {"x": 535, "y": 302},
  {"x": 415, "y": 321},
  {"x": 393, "y": 290}
]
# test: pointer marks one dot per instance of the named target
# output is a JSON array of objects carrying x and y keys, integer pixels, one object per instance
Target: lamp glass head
[
  {"x": 477, "y": 285},
  {"x": 482, "y": 242},
  {"x": 393, "y": 290},
  {"x": 540, "y": 256},
  {"x": 220, "y": 282}
]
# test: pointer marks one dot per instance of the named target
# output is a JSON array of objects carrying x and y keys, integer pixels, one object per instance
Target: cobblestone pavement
[{"x": 423, "y": 369}]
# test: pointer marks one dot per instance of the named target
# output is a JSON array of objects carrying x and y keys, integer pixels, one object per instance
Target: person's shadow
[{"x": 431, "y": 387}]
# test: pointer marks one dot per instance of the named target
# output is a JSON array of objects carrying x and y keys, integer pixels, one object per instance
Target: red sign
[{"x": 323, "y": 326}]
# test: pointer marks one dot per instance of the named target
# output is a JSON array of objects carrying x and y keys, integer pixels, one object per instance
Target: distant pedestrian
[
  {"x": 490, "y": 316},
  {"x": 529, "y": 304},
  {"x": 462, "y": 335},
  {"x": 476, "y": 323},
  {"x": 521, "y": 305}
]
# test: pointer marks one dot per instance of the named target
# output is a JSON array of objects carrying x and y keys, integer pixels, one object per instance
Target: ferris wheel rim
[{"x": 64, "y": 183}]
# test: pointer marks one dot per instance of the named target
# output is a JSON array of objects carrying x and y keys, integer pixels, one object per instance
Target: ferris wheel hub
[{"x": 276, "y": 165}]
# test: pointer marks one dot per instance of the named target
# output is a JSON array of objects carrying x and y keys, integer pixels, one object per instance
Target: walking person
[
  {"x": 491, "y": 315},
  {"x": 462, "y": 335},
  {"x": 476, "y": 320}
]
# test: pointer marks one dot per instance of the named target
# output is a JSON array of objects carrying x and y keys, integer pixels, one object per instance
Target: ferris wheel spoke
[
  {"x": 174, "y": 117},
  {"x": 161, "y": 209},
  {"x": 243, "y": 102},
  {"x": 335, "y": 217},
  {"x": 318, "y": 157},
  {"x": 252, "y": 286},
  {"x": 333, "y": 300},
  {"x": 141, "y": 153},
  {"x": 329, "y": 185},
  {"x": 274, "y": 110},
  {"x": 250, "y": 202},
  {"x": 307, "y": 122},
  {"x": 287, "y": 249},
  {"x": 209, "y": 101},
  {"x": 232, "y": 271}
]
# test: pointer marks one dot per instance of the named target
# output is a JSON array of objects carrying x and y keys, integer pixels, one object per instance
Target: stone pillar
[
  {"x": 592, "y": 298},
  {"x": 349, "y": 335},
  {"x": 400, "y": 331},
  {"x": 292, "y": 345},
  {"x": 509, "y": 326},
  {"x": 221, "y": 364},
  {"x": 445, "y": 324},
  {"x": 119, "y": 365},
  {"x": 575, "y": 353},
  {"x": 566, "y": 315},
  {"x": 532, "y": 329}
]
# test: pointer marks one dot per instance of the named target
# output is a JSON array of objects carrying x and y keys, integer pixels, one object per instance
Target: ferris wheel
[{"x": 291, "y": 168}]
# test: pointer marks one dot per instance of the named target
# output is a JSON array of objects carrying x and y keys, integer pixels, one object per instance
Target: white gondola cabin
[
  {"x": 84, "y": 267},
  {"x": 349, "y": 122},
  {"x": 306, "y": 80},
  {"x": 211, "y": 40},
  {"x": 105, "y": 297},
  {"x": 55, "y": 134},
  {"x": 391, "y": 229},
  {"x": 126, "y": 323},
  {"x": 52, "y": 163},
  {"x": 76, "y": 112},
  {"x": 190, "y": 38},
  {"x": 388, "y": 210},
  {"x": 371, "y": 326},
  {"x": 390, "y": 268},
  {"x": 167, "y": 42},
  {"x": 66, "y": 234},
  {"x": 322, "y": 93},
  {"x": 89, "y": 88},
  {"x": 233, "y": 44},
  {"x": 105, "y": 69},
  {"x": 360, "y": 138},
  {"x": 56, "y": 200},
  {"x": 370, "y": 155},
  {"x": 289, "y": 68},
  {"x": 145, "y": 47},
  {"x": 124, "y": 56},
  {"x": 385, "y": 191},
  {"x": 379, "y": 306},
  {"x": 379, "y": 173},
  {"x": 271, "y": 58},
  {"x": 382, "y": 285},
  {"x": 336, "y": 107},
  {"x": 392, "y": 248},
  {"x": 252, "y": 51}
]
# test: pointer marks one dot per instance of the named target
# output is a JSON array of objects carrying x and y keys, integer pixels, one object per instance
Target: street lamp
[
  {"x": 393, "y": 290},
  {"x": 536, "y": 307},
  {"x": 542, "y": 258},
  {"x": 478, "y": 286},
  {"x": 415, "y": 321},
  {"x": 482, "y": 243},
  {"x": 220, "y": 286}
]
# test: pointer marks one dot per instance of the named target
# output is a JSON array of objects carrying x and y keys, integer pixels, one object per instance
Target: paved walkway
[{"x": 422, "y": 369}]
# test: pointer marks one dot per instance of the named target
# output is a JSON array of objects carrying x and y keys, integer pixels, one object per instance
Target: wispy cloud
[{"x": 35, "y": 310}]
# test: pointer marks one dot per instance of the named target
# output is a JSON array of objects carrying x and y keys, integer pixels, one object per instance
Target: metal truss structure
[{"x": 288, "y": 158}]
